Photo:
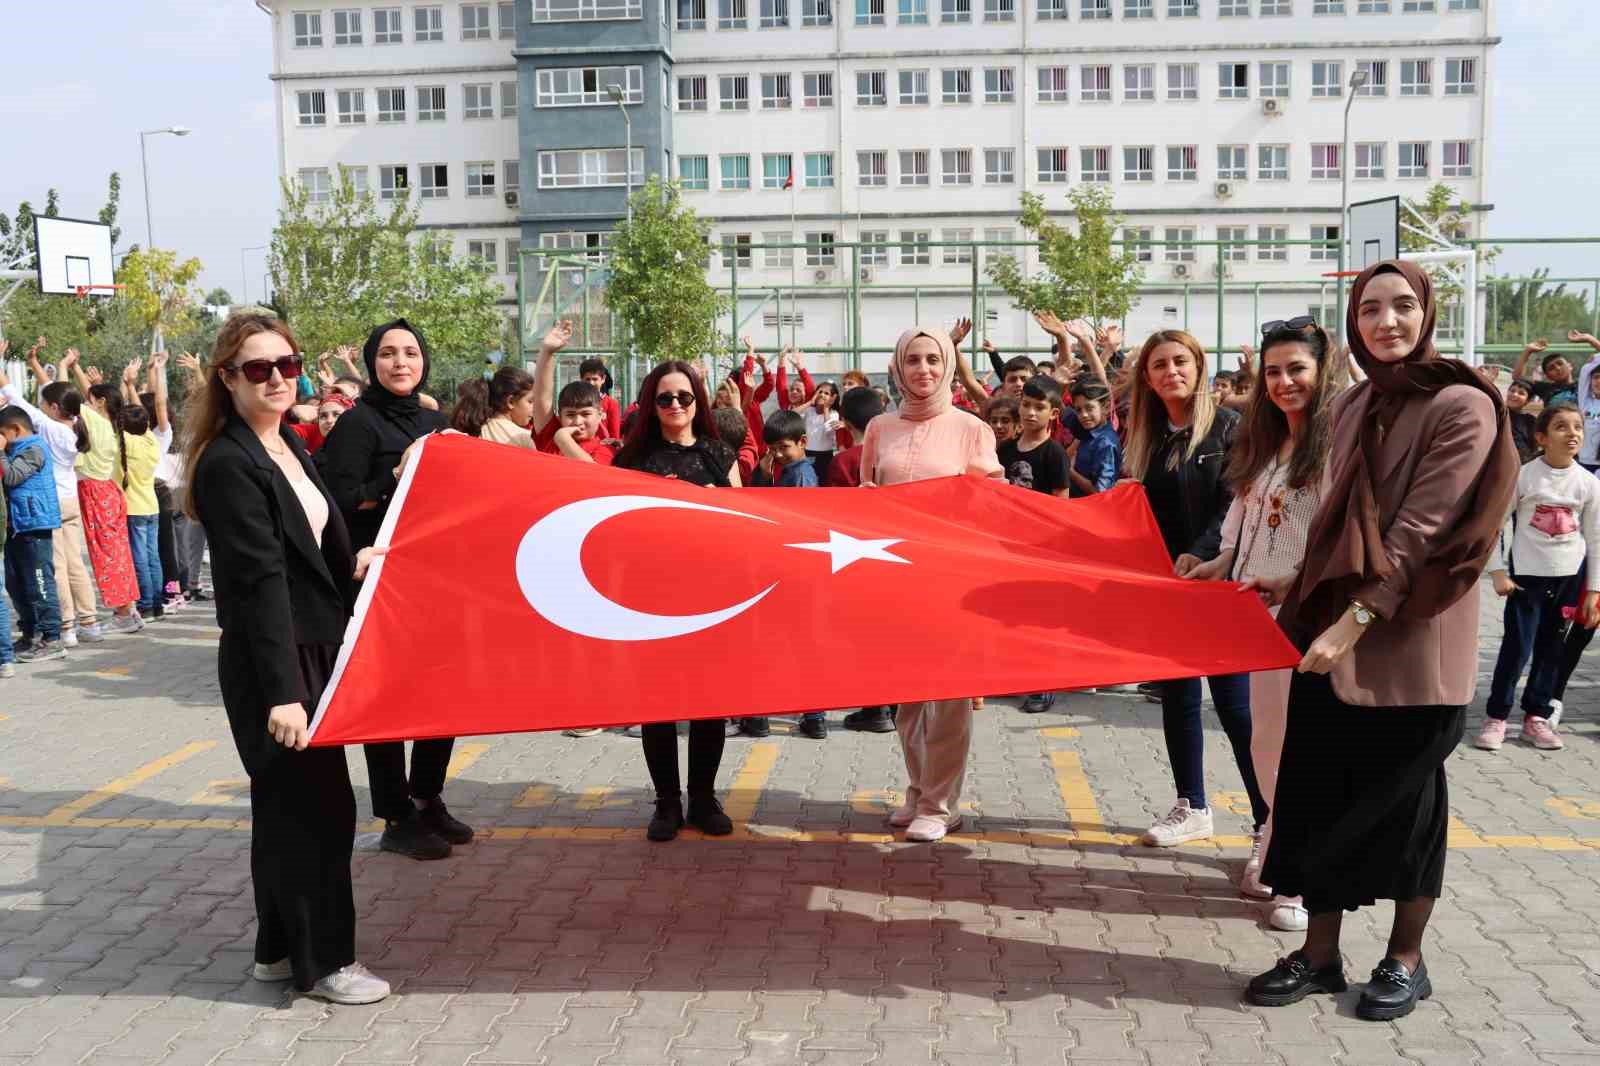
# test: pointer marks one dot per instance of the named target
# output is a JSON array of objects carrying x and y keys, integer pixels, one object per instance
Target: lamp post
[
  {"x": 1358, "y": 78},
  {"x": 144, "y": 169},
  {"x": 615, "y": 92}
]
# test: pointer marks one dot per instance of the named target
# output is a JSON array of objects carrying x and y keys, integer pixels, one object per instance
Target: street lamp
[
  {"x": 615, "y": 92},
  {"x": 1358, "y": 78},
  {"x": 144, "y": 168}
]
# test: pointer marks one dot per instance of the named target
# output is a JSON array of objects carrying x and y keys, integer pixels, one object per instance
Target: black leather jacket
[{"x": 1191, "y": 501}]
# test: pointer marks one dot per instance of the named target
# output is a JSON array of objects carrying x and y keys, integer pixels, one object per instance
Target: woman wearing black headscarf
[
  {"x": 1385, "y": 607},
  {"x": 359, "y": 462}
]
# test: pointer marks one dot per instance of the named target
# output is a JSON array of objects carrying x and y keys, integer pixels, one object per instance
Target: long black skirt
[
  {"x": 303, "y": 829},
  {"x": 1362, "y": 811}
]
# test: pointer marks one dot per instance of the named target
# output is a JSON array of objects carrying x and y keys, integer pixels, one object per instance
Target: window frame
[
  {"x": 919, "y": 175},
  {"x": 691, "y": 182},
  {"x": 434, "y": 32},
  {"x": 482, "y": 32},
  {"x": 999, "y": 166},
  {"x": 1046, "y": 158}
]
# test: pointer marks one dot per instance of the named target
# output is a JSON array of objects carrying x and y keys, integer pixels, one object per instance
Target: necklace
[{"x": 280, "y": 450}]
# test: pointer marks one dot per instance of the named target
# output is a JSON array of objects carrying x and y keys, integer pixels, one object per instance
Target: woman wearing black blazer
[
  {"x": 282, "y": 567},
  {"x": 361, "y": 461}
]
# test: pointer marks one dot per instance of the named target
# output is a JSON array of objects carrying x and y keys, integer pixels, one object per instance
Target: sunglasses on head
[
  {"x": 259, "y": 371},
  {"x": 1300, "y": 323},
  {"x": 665, "y": 400}
]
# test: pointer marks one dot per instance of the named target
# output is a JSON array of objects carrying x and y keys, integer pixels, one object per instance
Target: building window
[
  {"x": 914, "y": 247},
  {"x": 352, "y": 107},
  {"x": 1272, "y": 162},
  {"x": 512, "y": 170},
  {"x": 1325, "y": 162},
  {"x": 1053, "y": 164},
  {"x": 913, "y": 87},
  {"x": 819, "y": 249},
  {"x": 1460, "y": 77},
  {"x": 508, "y": 99},
  {"x": 1327, "y": 79},
  {"x": 477, "y": 101},
  {"x": 308, "y": 29},
  {"x": 585, "y": 10},
  {"x": 480, "y": 179},
  {"x": 1416, "y": 77},
  {"x": 355, "y": 177},
  {"x": 317, "y": 183},
  {"x": 956, "y": 86},
  {"x": 777, "y": 257},
  {"x": 816, "y": 13},
  {"x": 956, "y": 255},
  {"x": 874, "y": 250},
  {"x": 485, "y": 252},
  {"x": 1233, "y": 9},
  {"x": 872, "y": 88},
  {"x": 1138, "y": 9},
  {"x": 869, "y": 12},
  {"x": 1233, "y": 81},
  {"x": 873, "y": 168},
  {"x": 1372, "y": 7},
  {"x": 590, "y": 167},
  {"x": 346, "y": 27},
  {"x": 1052, "y": 10},
  {"x": 586, "y": 86},
  {"x": 733, "y": 15},
  {"x": 430, "y": 103},
  {"x": 998, "y": 235},
  {"x": 777, "y": 169},
  {"x": 736, "y": 250},
  {"x": 1094, "y": 166},
  {"x": 819, "y": 170},
  {"x": 818, "y": 90},
  {"x": 999, "y": 10},
  {"x": 913, "y": 13},
  {"x": 1233, "y": 253},
  {"x": 1175, "y": 251},
  {"x": 1139, "y": 81},
  {"x": 1377, "y": 78},
  {"x": 1137, "y": 239},
  {"x": 735, "y": 171},
  {"x": 1183, "y": 9},
  {"x": 733, "y": 92},
  {"x": 1462, "y": 5},
  {"x": 914, "y": 167},
  {"x": 1275, "y": 80},
  {"x": 956, "y": 166},
  {"x": 387, "y": 26},
  {"x": 435, "y": 184},
  {"x": 1270, "y": 253},
  {"x": 1233, "y": 162},
  {"x": 1324, "y": 253},
  {"x": 1052, "y": 85},
  {"x": 1413, "y": 160},
  {"x": 775, "y": 92},
  {"x": 955, "y": 10},
  {"x": 1094, "y": 10},
  {"x": 475, "y": 22},
  {"x": 692, "y": 93},
  {"x": 312, "y": 105},
  {"x": 506, "y": 23},
  {"x": 1369, "y": 160},
  {"x": 428, "y": 22},
  {"x": 1327, "y": 7},
  {"x": 1094, "y": 83},
  {"x": 1182, "y": 162},
  {"x": 694, "y": 172},
  {"x": 1139, "y": 163},
  {"x": 774, "y": 15},
  {"x": 999, "y": 166},
  {"x": 1457, "y": 161},
  {"x": 591, "y": 246},
  {"x": 1418, "y": 7},
  {"x": 999, "y": 85},
  {"x": 691, "y": 15},
  {"x": 394, "y": 181},
  {"x": 1183, "y": 81},
  {"x": 391, "y": 105},
  {"x": 1277, "y": 7}
]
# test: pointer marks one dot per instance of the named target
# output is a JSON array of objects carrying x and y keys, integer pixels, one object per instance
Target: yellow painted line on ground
[
  {"x": 217, "y": 793},
  {"x": 68, "y": 811},
  {"x": 745, "y": 792},
  {"x": 1581, "y": 807},
  {"x": 112, "y": 673},
  {"x": 598, "y": 799},
  {"x": 462, "y": 758},
  {"x": 535, "y": 796},
  {"x": 1083, "y": 813},
  {"x": 1461, "y": 836},
  {"x": 1060, "y": 732}
]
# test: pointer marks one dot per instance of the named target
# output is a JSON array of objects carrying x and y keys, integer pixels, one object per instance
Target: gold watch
[{"x": 1363, "y": 614}]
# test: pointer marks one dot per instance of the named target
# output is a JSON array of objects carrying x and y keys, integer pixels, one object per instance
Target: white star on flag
[{"x": 844, "y": 549}]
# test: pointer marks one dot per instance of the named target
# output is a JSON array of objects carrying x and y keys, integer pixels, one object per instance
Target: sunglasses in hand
[
  {"x": 665, "y": 400},
  {"x": 259, "y": 371}
]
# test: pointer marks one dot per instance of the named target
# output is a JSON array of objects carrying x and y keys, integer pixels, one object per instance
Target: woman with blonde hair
[{"x": 1178, "y": 444}]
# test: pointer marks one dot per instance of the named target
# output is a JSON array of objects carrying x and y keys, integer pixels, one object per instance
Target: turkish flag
[{"x": 524, "y": 591}]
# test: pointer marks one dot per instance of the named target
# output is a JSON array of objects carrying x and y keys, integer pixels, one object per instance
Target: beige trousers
[
  {"x": 74, "y": 587},
  {"x": 1269, "y": 719},
  {"x": 934, "y": 738}
]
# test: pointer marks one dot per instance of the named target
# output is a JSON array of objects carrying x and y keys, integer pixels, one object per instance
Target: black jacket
[
  {"x": 1191, "y": 501},
  {"x": 276, "y": 590},
  {"x": 359, "y": 456}
]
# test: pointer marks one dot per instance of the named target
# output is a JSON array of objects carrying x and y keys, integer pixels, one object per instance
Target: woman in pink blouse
[{"x": 928, "y": 438}]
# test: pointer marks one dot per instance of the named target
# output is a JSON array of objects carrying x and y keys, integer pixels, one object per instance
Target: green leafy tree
[
  {"x": 159, "y": 289},
  {"x": 1549, "y": 311},
  {"x": 219, "y": 297},
  {"x": 1447, "y": 212},
  {"x": 64, "y": 321},
  {"x": 658, "y": 285},
  {"x": 1083, "y": 275}
]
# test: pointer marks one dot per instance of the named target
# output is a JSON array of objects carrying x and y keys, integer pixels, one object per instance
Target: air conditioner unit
[
  {"x": 821, "y": 274},
  {"x": 1223, "y": 189},
  {"x": 1181, "y": 270},
  {"x": 867, "y": 275},
  {"x": 512, "y": 197},
  {"x": 1272, "y": 106}
]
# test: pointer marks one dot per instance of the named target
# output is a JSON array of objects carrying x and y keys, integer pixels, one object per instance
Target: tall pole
[
  {"x": 615, "y": 92},
  {"x": 144, "y": 170},
  {"x": 1357, "y": 79}
]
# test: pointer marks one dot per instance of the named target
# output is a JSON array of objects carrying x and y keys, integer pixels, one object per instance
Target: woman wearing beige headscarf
[{"x": 928, "y": 438}]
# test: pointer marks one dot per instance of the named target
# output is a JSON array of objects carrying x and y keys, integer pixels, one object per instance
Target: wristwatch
[{"x": 1363, "y": 614}]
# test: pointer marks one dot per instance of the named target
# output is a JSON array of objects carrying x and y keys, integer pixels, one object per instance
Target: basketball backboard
[
  {"x": 1374, "y": 231},
  {"x": 72, "y": 254}
]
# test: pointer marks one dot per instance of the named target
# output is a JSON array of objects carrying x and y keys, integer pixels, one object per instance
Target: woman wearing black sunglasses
[
  {"x": 674, "y": 437},
  {"x": 360, "y": 460}
]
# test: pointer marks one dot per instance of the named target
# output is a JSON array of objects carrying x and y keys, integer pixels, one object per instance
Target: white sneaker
[
  {"x": 8, "y": 670},
  {"x": 1181, "y": 825},
  {"x": 127, "y": 623},
  {"x": 69, "y": 638},
  {"x": 352, "y": 985},
  {"x": 903, "y": 816},
  {"x": 1288, "y": 914},
  {"x": 927, "y": 829},
  {"x": 90, "y": 634},
  {"x": 272, "y": 971},
  {"x": 1251, "y": 884},
  {"x": 1554, "y": 717},
  {"x": 589, "y": 731}
]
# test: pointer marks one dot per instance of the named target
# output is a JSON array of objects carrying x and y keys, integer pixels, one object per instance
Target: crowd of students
[{"x": 1348, "y": 510}]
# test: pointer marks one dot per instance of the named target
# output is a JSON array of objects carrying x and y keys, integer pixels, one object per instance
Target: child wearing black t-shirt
[{"x": 1034, "y": 460}]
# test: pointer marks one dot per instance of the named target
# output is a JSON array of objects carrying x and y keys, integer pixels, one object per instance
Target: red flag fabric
[
  {"x": 523, "y": 592},
  {"x": 788, "y": 183}
]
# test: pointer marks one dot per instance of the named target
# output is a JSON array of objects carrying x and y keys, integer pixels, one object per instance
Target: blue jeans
[
  {"x": 145, "y": 542},
  {"x": 6, "y": 652},
  {"x": 1186, "y": 737},
  {"x": 31, "y": 577},
  {"x": 1534, "y": 629}
]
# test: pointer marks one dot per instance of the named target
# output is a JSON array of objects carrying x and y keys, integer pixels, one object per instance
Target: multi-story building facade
[{"x": 896, "y": 123}]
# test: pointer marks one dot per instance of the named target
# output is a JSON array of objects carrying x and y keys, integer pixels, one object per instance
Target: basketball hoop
[{"x": 83, "y": 292}]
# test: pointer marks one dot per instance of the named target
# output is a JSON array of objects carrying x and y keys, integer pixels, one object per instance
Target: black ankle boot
[
  {"x": 1293, "y": 979},
  {"x": 706, "y": 815},
  {"x": 668, "y": 818},
  {"x": 1392, "y": 992}
]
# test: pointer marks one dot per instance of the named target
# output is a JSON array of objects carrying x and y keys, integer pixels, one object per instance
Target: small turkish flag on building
[
  {"x": 523, "y": 592},
  {"x": 788, "y": 183}
]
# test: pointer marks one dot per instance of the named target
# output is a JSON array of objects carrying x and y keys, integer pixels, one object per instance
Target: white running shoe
[
  {"x": 1251, "y": 884},
  {"x": 903, "y": 816},
  {"x": 8, "y": 670},
  {"x": 90, "y": 634},
  {"x": 1554, "y": 717},
  {"x": 1181, "y": 825},
  {"x": 127, "y": 623},
  {"x": 1288, "y": 914},
  {"x": 69, "y": 638},
  {"x": 926, "y": 828},
  {"x": 352, "y": 985},
  {"x": 272, "y": 971}
]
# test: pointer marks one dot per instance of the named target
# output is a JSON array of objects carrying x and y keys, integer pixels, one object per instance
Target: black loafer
[
  {"x": 815, "y": 728},
  {"x": 869, "y": 720},
  {"x": 1293, "y": 979},
  {"x": 754, "y": 727},
  {"x": 668, "y": 819},
  {"x": 437, "y": 817},
  {"x": 1038, "y": 703},
  {"x": 706, "y": 815},
  {"x": 413, "y": 839},
  {"x": 1392, "y": 992}
]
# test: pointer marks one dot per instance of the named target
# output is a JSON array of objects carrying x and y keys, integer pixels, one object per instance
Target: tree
[
  {"x": 159, "y": 290},
  {"x": 1451, "y": 216},
  {"x": 64, "y": 321},
  {"x": 1082, "y": 276},
  {"x": 658, "y": 283},
  {"x": 1549, "y": 311},
  {"x": 342, "y": 266},
  {"x": 219, "y": 297}
]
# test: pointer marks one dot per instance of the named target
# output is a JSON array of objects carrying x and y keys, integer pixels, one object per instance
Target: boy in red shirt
[
  {"x": 858, "y": 407},
  {"x": 573, "y": 423},
  {"x": 594, "y": 371}
]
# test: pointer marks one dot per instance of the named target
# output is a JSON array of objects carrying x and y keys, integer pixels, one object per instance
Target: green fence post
[
  {"x": 588, "y": 342},
  {"x": 977, "y": 319},
  {"x": 1220, "y": 269},
  {"x": 853, "y": 306},
  {"x": 1527, "y": 299}
]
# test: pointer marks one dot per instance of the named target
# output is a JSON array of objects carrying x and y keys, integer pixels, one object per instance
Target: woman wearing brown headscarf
[{"x": 1421, "y": 468}]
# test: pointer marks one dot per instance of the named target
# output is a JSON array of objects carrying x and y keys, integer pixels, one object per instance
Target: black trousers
[
  {"x": 386, "y": 770},
  {"x": 706, "y": 738},
  {"x": 303, "y": 829},
  {"x": 166, "y": 538}
]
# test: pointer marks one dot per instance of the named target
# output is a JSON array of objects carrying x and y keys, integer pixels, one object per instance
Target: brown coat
[{"x": 1427, "y": 467}]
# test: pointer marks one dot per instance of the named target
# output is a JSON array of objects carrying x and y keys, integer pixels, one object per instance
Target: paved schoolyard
[{"x": 1038, "y": 935}]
